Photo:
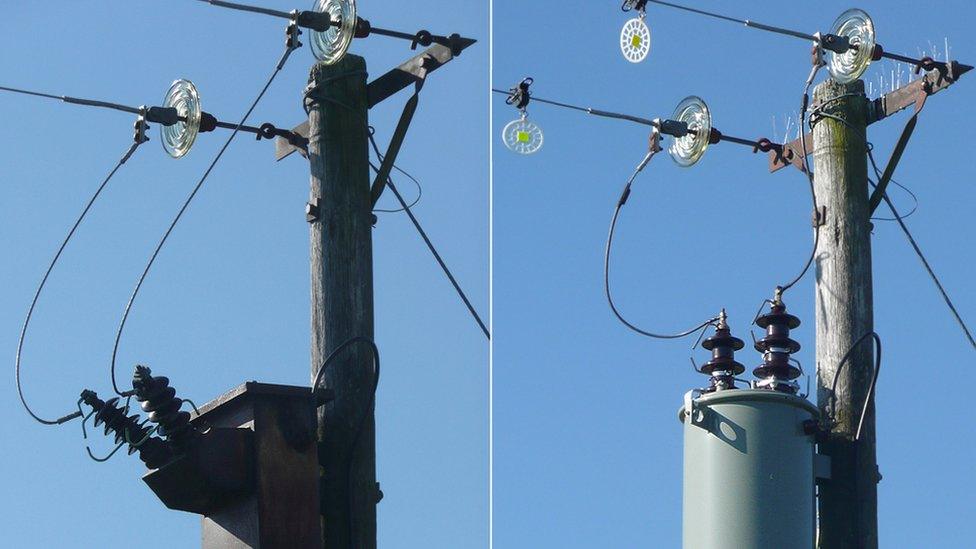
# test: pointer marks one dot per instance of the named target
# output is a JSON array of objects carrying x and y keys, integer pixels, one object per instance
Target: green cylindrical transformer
[{"x": 748, "y": 471}]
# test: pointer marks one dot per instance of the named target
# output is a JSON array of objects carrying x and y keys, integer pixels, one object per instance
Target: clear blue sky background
[
  {"x": 228, "y": 298},
  {"x": 587, "y": 445}
]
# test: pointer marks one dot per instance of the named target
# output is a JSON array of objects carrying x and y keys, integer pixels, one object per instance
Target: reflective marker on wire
[
  {"x": 522, "y": 136},
  {"x": 635, "y": 39}
]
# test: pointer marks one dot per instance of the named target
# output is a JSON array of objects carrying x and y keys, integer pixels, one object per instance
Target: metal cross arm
[
  {"x": 413, "y": 71},
  {"x": 890, "y": 103}
]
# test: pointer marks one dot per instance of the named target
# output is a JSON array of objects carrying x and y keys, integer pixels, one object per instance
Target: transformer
[{"x": 749, "y": 454}]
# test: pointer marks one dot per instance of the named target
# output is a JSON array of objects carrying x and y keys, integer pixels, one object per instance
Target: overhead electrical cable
[
  {"x": 921, "y": 257},
  {"x": 47, "y": 273},
  {"x": 430, "y": 245},
  {"x": 179, "y": 215},
  {"x": 624, "y": 195}
]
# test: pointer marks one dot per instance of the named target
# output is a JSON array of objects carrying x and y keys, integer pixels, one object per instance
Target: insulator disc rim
[
  {"x": 178, "y": 138},
  {"x": 687, "y": 150},
  {"x": 331, "y": 46},
  {"x": 855, "y": 25}
]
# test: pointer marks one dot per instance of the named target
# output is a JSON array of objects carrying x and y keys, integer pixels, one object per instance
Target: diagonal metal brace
[
  {"x": 413, "y": 71},
  {"x": 890, "y": 103}
]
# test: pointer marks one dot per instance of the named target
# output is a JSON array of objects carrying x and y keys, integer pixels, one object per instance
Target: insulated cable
[
  {"x": 624, "y": 195},
  {"x": 172, "y": 225},
  {"x": 40, "y": 288}
]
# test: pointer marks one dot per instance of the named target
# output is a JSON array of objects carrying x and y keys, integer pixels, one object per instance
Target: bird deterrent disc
[
  {"x": 689, "y": 149},
  {"x": 857, "y": 27},
  {"x": 178, "y": 138},
  {"x": 331, "y": 46},
  {"x": 522, "y": 136},
  {"x": 635, "y": 40}
]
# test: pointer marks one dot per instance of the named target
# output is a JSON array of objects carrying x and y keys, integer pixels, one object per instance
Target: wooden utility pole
[
  {"x": 342, "y": 299},
  {"x": 848, "y": 501}
]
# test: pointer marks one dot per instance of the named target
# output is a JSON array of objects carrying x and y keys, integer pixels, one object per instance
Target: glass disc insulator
[
  {"x": 689, "y": 149},
  {"x": 178, "y": 138},
  {"x": 331, "y": 46},
  {"x": 857, "y": 27},
  {"x": 522, "y": 136},
  {"x": 635, "y": 40}
]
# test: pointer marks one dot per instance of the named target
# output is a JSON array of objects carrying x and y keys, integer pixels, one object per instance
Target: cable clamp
[
  {"x": 141, "y": 127},
  {"x": 519, "y": 95},
  {"x": 639, "y": 5}
]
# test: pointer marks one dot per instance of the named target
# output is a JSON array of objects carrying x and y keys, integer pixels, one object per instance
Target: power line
[
  {"x": 179, "y": 215},
  {"x": 47, "y": 273},
  {"x": 624, "y": 195},
  {"x": 921, "y": 256},
  {"x": 76, "y": 100},
  {"x": 806, "y": 169},
  {"x": 588, "y": 110},
  {"x": 430, "y": 245},
  {"x": 714, "y": 137}
]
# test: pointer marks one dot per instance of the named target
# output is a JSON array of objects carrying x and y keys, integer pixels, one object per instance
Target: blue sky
[
  {"x": 228, "y": 298},
  {"x": 587, "y": 446}
]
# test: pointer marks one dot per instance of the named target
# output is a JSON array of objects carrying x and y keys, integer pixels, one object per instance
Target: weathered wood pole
[
  {"x": 848, "y": 502},
  {"x": 342, "y": 298}
]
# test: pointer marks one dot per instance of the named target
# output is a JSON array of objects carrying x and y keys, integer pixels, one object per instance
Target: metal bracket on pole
[
  {"x": 412, "y": 71},
  {"x": 890, "y": 103}
]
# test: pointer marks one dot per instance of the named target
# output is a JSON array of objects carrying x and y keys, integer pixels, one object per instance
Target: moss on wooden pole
[{"x": 848, "y": 501}]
